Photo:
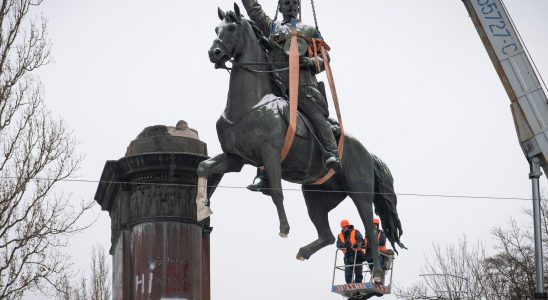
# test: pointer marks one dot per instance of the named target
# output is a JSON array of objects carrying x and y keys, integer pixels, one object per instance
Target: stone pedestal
[{"x": 159, "y": 249}]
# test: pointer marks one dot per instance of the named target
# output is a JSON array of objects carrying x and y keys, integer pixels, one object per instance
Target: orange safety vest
[
  {"x": 353, "y": 240},
  {"x": 381, "y": 248}
]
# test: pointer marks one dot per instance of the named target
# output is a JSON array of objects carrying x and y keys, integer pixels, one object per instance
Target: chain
[
  {"x": 314, "y": 14},
  {"x": 300, "y": 11}
]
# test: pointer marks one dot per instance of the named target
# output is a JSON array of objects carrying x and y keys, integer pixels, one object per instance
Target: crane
[{"x": 528, "y": 100}]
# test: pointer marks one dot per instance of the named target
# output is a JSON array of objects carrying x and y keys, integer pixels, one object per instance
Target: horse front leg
[
  {"x": 272, "y": 164},
  {"x": 220, "y": 164}
]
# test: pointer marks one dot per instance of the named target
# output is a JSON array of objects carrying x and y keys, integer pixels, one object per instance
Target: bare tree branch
[
  {"x": 35, "y": 220},
  {"x": 470, "y": 273},
  {"x": 99, "y": 287}
]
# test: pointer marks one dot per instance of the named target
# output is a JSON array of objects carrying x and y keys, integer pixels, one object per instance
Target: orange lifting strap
[{"x": 294, "y": 94}]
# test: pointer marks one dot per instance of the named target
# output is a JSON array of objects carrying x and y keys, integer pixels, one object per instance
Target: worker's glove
[{"x": 355, "y": 246}]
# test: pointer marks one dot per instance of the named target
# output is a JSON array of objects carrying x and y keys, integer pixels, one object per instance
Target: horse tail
[{"x": 385, "y": 201}]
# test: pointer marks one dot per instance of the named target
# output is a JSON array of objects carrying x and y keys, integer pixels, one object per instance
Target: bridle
[
  {"x": 246, "y": 65},
  {"x": 235, "y": 42}
]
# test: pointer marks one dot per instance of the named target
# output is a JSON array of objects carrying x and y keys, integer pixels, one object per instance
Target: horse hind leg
[
  {"x": 363, "y": 192},
  {"x": 272, "y": 164},
  {"x": 319, "y": 204}
]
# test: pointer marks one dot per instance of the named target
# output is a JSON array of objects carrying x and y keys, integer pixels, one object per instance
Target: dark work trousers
[
  {"x": 358, "y": 270},
  {"x": 313, "y": 104}
]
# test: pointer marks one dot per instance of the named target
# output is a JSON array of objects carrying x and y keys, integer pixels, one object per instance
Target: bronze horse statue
[{"x": 251, "y": 131}]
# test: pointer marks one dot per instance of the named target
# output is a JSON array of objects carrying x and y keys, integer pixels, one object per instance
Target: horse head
[{"x": 230, "y": 33}]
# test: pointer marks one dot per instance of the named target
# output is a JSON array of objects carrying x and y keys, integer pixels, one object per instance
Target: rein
[{"x": 244, "y": 65}]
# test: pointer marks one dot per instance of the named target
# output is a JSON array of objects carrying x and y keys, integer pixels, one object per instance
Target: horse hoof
[
  {"x": 302, "y": 255},
  {"x": 284, "y": 231},
  {"x": 377, "y": 280}
]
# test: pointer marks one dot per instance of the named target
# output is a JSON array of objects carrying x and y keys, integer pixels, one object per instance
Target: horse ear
[
  {"x": 237, "y": 10},
  {"x": 221, "y": 13}
]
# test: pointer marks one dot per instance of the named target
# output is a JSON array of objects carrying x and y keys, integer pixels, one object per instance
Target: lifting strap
[
  {"x": 340, "y": 147},
  {"x": 293, "y": 91}
]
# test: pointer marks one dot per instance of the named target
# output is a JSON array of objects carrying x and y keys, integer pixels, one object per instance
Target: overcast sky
[{"x": 416, "y": 88}]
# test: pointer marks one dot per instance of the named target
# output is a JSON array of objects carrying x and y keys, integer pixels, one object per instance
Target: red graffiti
[{"x": 176, "y": 279}]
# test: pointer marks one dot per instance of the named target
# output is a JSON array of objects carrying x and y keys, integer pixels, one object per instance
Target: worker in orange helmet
[
  {"x": 350, "y": 242},
  {"x": 381, "y": 237}
]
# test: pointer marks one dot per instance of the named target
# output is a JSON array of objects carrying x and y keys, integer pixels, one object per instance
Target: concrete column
[{"x": 159, "y": 249}]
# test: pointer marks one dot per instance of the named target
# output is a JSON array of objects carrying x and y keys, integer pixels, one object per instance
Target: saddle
[{"x": 305, "y": 129}]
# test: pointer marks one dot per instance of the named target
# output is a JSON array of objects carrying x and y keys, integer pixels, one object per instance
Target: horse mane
[
  {"x": 232, "y": 16},
  {"x": 265, "y": 43},
  {"x": 257, "y": 31}
]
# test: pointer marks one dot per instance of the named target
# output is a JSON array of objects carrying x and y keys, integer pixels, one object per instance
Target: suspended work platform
[{"x": 367, "y": 288}]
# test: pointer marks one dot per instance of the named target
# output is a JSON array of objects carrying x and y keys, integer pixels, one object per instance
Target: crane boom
[{"x": 528, "y": 100}]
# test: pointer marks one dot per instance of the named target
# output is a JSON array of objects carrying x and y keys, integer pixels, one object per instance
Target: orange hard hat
[
  {"x": 344, "y": 223},
  {"x": 376, "y": 221}
]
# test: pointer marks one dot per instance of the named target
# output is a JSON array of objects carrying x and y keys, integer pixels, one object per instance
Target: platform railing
[{"x": 388, "y": 266}]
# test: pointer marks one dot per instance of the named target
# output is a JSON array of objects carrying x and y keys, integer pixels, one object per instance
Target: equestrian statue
[{"x": 253, "y": 127}]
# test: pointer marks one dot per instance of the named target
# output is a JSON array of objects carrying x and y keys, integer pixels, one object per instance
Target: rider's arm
[
  {"x": 257, "y": 15},
  {"x": 311, "y": 63}
]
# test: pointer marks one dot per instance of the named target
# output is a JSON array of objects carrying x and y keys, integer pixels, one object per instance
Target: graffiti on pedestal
[
  {"x": 176, "y": 277},
  {"x": 144, "y": 281},
  {"x": 173, "y": 281}
]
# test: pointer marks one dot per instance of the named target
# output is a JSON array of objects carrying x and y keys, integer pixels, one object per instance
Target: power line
[{"x": 283, "y": 189}]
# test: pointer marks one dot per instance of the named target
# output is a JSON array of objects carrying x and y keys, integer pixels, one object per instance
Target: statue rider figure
[{"x": 312, "y": 101}]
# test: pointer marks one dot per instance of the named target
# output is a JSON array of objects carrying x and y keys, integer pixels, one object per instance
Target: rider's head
[{"x": 289, "y": 9}]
